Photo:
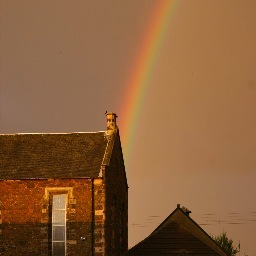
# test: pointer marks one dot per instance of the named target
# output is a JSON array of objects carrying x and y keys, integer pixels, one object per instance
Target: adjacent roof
[
  {"x": 71, "y": 155},
  {"x": 178, "y": 234}
]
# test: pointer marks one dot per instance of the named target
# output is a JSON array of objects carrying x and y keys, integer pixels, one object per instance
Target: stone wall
[
  {"x": 117, "y": 201},
  {"x": 25, "y": 216}
]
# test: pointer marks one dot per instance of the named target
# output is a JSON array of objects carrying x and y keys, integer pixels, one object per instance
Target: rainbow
[{"x": 143, "y": 67}]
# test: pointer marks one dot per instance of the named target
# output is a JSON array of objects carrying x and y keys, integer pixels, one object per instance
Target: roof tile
[{"x": 71, "y": 155}]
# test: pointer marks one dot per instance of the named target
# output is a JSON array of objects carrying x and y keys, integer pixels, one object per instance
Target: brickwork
[
  {"x": 25, "y": 222},
  {"x": 117, "y": 201},
  {"x": 99, "y": 217},
  {"x": 25, "y": 214}
]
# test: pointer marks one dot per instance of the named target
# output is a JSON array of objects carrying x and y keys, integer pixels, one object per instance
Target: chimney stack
[{"x": 111, "y": 122}]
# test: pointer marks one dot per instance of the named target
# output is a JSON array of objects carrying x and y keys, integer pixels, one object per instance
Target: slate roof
[
  {"x": 178, "y": 234},
  {"x": 71, "y": 155}
]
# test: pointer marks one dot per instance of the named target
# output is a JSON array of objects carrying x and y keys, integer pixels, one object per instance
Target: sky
[{"x": 186, "y": 107}]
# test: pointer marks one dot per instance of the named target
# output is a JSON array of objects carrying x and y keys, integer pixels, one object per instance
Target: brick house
[
  {"x": 177, "y": 235},
  {"x": 63, "y": 194}
]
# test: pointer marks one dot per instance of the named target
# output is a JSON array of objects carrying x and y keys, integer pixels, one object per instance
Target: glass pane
[
  {"x": 58, "y": 216},
  {"x": 58, "y": 233},
  {"x": 59, "y": 202},
  {"x": 58, "y": 249}
]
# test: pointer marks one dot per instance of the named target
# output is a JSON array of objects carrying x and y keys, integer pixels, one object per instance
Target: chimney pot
[{"x": 111, "y": 122}]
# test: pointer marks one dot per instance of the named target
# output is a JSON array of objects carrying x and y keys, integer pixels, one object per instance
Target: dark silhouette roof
[
  {"x": 71, "y": 155},
  {"x": 178, "y": 234}
]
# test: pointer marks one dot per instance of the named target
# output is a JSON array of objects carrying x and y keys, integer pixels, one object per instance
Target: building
[
  {"x": 63, "y": 194},
  {"x": 177, "y": 235}
]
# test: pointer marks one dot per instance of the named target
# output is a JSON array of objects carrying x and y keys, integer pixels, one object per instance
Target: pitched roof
[
  {"x": 178, "y": 234},
  {"x": 70, "y": 155}
]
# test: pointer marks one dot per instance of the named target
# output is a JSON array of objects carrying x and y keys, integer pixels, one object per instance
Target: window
[{"x": 59, "y": 225}]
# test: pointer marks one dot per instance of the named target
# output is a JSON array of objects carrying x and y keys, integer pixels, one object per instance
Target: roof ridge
[{"x": 46, "y": 133}]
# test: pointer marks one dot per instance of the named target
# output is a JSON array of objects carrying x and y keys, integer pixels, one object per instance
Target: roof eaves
[
  {"x": 172, "y": 217},
  {"x": 199, "y": 233},
  {"x": 156, "y": 230},
  {"x": 51, "y": 178}
]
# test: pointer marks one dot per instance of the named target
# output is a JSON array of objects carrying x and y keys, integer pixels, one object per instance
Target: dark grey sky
[{"x": 64, "y": 63}]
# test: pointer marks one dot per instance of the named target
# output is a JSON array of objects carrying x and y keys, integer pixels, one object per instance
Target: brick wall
[
  {"x": 25, "y": 216},
  {"x": 99, "y": 217}
]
